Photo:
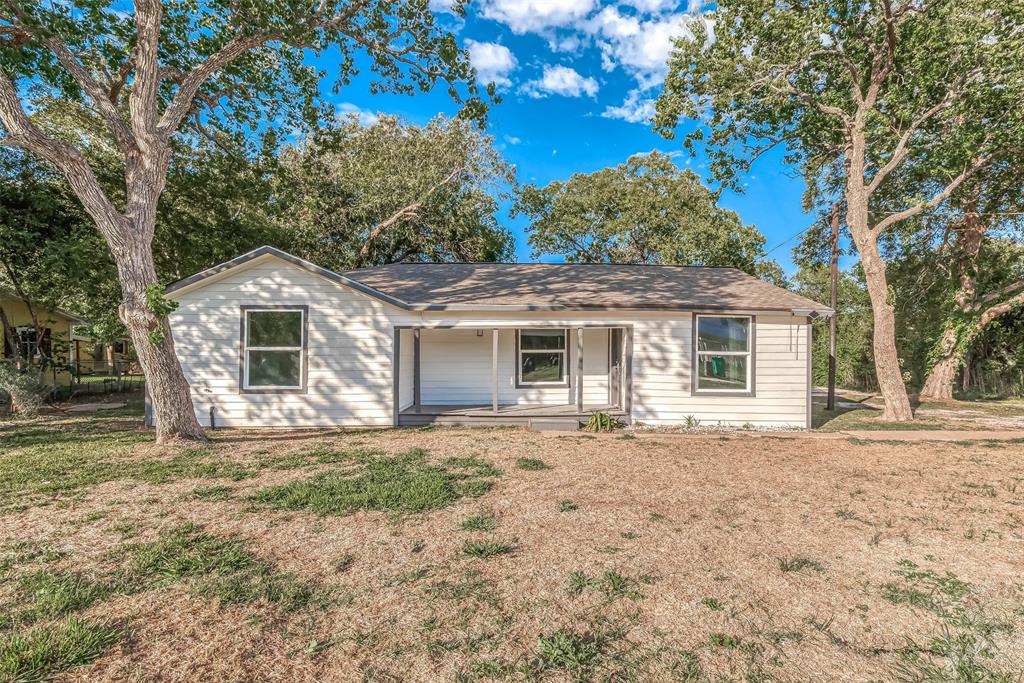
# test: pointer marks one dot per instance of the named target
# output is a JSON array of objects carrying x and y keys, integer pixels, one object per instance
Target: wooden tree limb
[
  {"x": 120, "y": 130},
  {"x": 190, "y": 84},
  {"x": 21, "y": 132},
  {"x": 939, "y": 197},
  {"x": 901, "y": 150}
]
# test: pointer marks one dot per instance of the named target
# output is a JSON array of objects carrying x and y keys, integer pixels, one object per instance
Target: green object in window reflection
[{"x": 717, "y": 366}]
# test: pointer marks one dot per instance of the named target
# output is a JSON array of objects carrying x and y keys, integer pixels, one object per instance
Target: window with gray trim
[
  {"x": 542, "y": 357},
  {"x": 724, "y": 359},
  {"x": 273, "y": 348}
]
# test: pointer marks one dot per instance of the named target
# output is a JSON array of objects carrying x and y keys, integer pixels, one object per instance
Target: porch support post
[
  {"x": 579, "y": 369},
  {"x": 494, "y": 370},
  {"x": 416, "y": 368},
  {"x": 627, "y": 352}
]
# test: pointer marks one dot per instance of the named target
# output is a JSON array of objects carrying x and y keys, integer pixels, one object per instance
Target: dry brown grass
[{"x": 681, "y": 520}]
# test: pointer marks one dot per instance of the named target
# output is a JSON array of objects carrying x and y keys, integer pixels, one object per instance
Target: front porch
[{"x": 512, "y": 375}]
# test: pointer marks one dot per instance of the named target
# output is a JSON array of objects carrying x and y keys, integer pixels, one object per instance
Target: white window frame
[
  {"x": 748, "y": 390},
  {"x": 301, "y": 348},
  {"x": 564, "y": 381}
]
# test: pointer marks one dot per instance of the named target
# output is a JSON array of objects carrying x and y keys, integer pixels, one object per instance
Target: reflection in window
[
  {"x": 723, "y": 353},
  {"x": 542, "y": 355},
  {"x": 274, "y": 354}
]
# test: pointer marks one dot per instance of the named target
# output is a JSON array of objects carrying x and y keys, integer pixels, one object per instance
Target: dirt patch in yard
[{"x": 714, "y": 557}]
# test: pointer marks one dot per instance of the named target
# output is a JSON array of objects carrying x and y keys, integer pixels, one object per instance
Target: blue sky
[{"x": 578, "y": 79}]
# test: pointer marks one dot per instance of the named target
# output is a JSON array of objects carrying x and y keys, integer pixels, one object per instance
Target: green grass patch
[
  {"x": 213, "y": 493},
  {"x": 532, "y": 464},
  {"x": 42, "y": 652},
  {"x": 480, "y": 523},
  {"x": 567, "y": 506},
  {"x": 485, "y": 549},
  {"x": 611, "y": 584},
  {"x": 799, "y": 564},
  {"x": 713, "y": 604},
  {"x": 402, "y": 484},
  {"x": 221, "y": 568},
  {"x": 724, "y": 640},
  {"x": 47, "y": 595}
]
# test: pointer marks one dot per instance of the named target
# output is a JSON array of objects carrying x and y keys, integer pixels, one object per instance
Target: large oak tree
[
  {"x": 226, "y": 67},
  {"x": 647, "y": 210},
  {"x": 858, "y": 94}
]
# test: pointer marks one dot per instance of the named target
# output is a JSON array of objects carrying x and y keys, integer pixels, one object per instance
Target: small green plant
[
  {"x": 479, "y": 523},
  {"x": 532, "y": 464},
  {"x": 160, "y": 306},
  {"x": 601, "y": 422},
  {"x": 691, "y": 422},
  {"x": 344, "y": 563},
  {"x": 712, "y": 604},
  {"x": 567, "y": 506},
  {"x": 485, "y": 549},
  {"x": 798, "y": 564},
  {"x": 724, "y": 640}
]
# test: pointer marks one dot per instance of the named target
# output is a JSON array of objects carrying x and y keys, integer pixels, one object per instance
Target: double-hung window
[
  {"x": 542, "y": 358},
  {"x": 724, "y": 357},
  {"x": 274, "y": 349}
]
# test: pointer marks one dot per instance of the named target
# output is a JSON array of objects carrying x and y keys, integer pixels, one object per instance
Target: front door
[{"x": 615, "y": 367}]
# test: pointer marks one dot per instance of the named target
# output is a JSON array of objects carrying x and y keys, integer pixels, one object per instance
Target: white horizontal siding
[
  {"x": 455, "y": 368},
  {"x": 350, "y": 374},
  {"x": 351, "y": 377}
]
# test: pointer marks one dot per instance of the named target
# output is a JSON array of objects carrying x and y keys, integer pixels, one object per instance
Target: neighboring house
[
  {"x": 268, "y": 339},
  {"x": 92, "y": 358},
  {"x": 52, "y": 342}
]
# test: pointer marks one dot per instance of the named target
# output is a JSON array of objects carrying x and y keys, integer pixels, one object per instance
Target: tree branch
[
  {"x": 1000, "y": 293},
  {"x": 939, "y": 197},
  {"x": 900, "y": 152},
  {"x": 190, "y": 84},
  {"x": 21, "y": 132},
  {"x": 104, "y": 105}
]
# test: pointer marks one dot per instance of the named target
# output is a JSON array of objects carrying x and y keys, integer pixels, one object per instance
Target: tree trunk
[
  {"x": 939, "y": 384},
  {"x": 949, "y": 351},
  {"x": 887, "y": 363},
  {"x": 172, "y": 399}
]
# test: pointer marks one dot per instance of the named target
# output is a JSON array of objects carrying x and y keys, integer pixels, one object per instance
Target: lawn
[{"x": 498, "y": 554}]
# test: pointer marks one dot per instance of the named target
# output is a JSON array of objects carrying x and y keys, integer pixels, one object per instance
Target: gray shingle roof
[
  {"x": 578, "y": 286},
  {"x": 545, "y": 286}
]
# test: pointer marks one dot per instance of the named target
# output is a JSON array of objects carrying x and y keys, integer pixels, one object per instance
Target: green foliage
[
  {"x": 47, "y": 650},
  {"x": 355, "y": 195},
  {"x": 647, "y": 210},
  {"x": 485, "y": 549},
  {"x": 402, "y": 484},
  {"x": 798, "y": 564},
  {"x": 160, "y": 306},
  {"x": 532, "y": 464},
  {"x": 27, "y": 388},
  {"x": 480, "y": 523},
  {"x": 601, "y": 421},
  {"x": 222, "y": 568}
]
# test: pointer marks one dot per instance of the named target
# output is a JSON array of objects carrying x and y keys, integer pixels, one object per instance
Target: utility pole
[{"x": 830, "y": 403}]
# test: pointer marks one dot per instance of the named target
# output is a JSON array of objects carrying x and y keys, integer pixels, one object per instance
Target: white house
[{"x": 268, "y": 339}]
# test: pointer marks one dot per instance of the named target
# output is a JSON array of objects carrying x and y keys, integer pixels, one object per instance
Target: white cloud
[
  {"x": 441, "y": 6},
  {"x": 365, "y": 116},
  {"x": 634, "y": 109},
  {"x": 493, "y": 62},
  {"x": 561, "y": 80},
  {"x": 639, "y": 46},
  {"x": 526, "y": 16},
  {"x": 512, "y": 139}
]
